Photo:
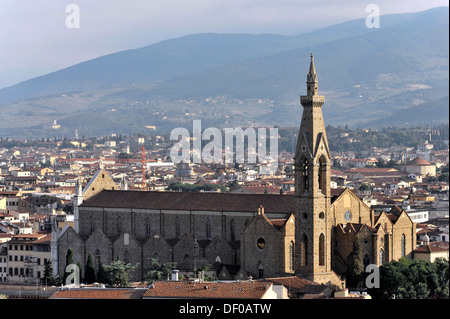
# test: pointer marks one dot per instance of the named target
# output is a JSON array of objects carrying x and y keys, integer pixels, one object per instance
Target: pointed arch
[
  {"x": 148, "y": 229},
  {"x": 291, "y": 256},
  {"x": 232, "y": 230},
  {"x": 381, "y": 257},
  {"x": 403, "y": 246},
  {"x": 119, "y": 224},
  {"x": 322, "y": 174},
  {"x": 304, "y": 251},
  {"x": 260, "y": 270},
  {"x": 91, "y": 224},
  {"x": 321, "y": 250},
  {"x": 97, "y": 259},
  {"x": 208, "y": 228},
  {"x": 305, "y": 173},
  {"x": 177, "y": 227}
]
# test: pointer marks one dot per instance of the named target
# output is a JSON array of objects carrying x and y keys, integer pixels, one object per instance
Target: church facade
[{"x": 309, "y": 234}]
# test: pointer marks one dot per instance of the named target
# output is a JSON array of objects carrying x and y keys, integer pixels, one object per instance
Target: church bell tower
[{"x": 312, "y": 188}]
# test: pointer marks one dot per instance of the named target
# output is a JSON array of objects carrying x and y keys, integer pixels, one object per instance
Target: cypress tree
[
  {"x": 355, "y": 270},
  {"x": 89, "y": 271}
]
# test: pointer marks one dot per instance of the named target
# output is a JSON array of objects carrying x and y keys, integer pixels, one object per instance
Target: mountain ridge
[{"x": 359, "y": 70}]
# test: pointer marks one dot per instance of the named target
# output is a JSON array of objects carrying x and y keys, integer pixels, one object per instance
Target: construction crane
[{"x": 144, "y": 166}]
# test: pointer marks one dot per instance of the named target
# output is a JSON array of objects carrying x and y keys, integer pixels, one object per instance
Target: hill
[{"x": 241, "y": 79}]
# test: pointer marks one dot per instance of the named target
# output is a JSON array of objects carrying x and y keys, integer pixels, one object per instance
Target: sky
[{"x": 39, "y": 37}]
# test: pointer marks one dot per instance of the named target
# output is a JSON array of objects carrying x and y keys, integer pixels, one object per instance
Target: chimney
[{"x": 175, "y": 275}]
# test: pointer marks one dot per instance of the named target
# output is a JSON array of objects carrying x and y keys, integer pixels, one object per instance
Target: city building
[{"x": 309, "y": 233}]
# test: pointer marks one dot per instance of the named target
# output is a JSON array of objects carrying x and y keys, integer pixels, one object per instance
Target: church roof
[
  {"x": 192, "y": 201},
  {"x": 419, "y": 162}
]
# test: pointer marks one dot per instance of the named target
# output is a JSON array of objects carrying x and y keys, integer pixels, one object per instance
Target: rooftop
[{"x": 181, "y": 289}]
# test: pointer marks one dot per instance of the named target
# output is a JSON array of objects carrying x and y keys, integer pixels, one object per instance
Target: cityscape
[{"x": 223, "y": 201}]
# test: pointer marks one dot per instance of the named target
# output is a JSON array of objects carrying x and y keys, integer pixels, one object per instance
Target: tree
[
  {"x": 118, "y": 273},
  {"x": 101, "y": 274},
  {"x": 89, "y": 271},
  {"x": 49, "y": 278},
  {"x": 413, "y": 279},
  {"x": 355, "y": 263},
  {"x": 158, "y": 271}
]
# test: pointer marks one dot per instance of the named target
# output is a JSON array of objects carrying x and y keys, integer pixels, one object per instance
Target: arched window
[
  {"x": 304, "y": 251},
  {"x": 381, "y": 257},
  {"x": 208, "y": 228},
  {"x": 322, "y": 174},
  {"x": 305, "y": 173},
  {"x": 291, "y": 256},
  {"x": 232, "y": 230},
  {"x": 119, "y": 224},
  {"x": 403, "y": 243},
  {"x": 97, "y": 259},
  {"x": 91, "y": 224},
  {"x": 260, "y": 270},
  {"x": 177, "y": 227},
  {"x": 321, "y": 250},
  {"x": 147, "y": 227},
  {"x": 366, "y": 260}
]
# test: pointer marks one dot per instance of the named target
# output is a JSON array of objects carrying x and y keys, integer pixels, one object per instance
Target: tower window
[
  {"x": 322, "y": 173},
  {"x": 305, "y": 174},
  {"x": 321, "y": 250},
  {"x": 304, "y": 251}
]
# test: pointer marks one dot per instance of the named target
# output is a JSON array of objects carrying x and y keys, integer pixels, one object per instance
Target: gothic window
[
  {"x": 260, "y": 270},
  {"x": 208, "y": 228},
  {"x": 305, "y": 174},
  {"x": 366, "y": 260},
  {"x": 126, "y": 257},
  {"x": 119, "y": 224},
  {"x": 232, "y": 230},
  {"x": 381, "y": 257},
  {"x": 91, "y": 224},
  {"x": 97, "y": 259},
  {"x": 321, "y": 250},
  {"x": 177, "y": 227},
  {"x": 147, "y": 227},
  {"x": 322, "y": 174},
  {"x": 291, "y": 256},
  {"x": 304, "y": 251},
  {"x": 403, "y": 243}
]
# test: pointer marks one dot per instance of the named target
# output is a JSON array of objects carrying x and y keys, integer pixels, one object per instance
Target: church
[{"x": 308, "y": 234}]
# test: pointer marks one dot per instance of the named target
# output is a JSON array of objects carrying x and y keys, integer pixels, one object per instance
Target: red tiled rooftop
[
  {"x": 89, "y": 293},
  {"x": 181, "y": 289},
  {"x": 192, "y": 201}
]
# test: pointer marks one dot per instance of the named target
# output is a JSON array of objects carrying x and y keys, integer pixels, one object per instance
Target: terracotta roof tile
[
  {"x": 192, "y": 201},
  {"x": 181, "y": 289},
  {"x": 88, "y": 293}
]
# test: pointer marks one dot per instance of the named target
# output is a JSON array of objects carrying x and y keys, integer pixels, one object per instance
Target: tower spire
[
  {"x": 311, "y": 79},
  {"x": 312, "y": 69}
]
